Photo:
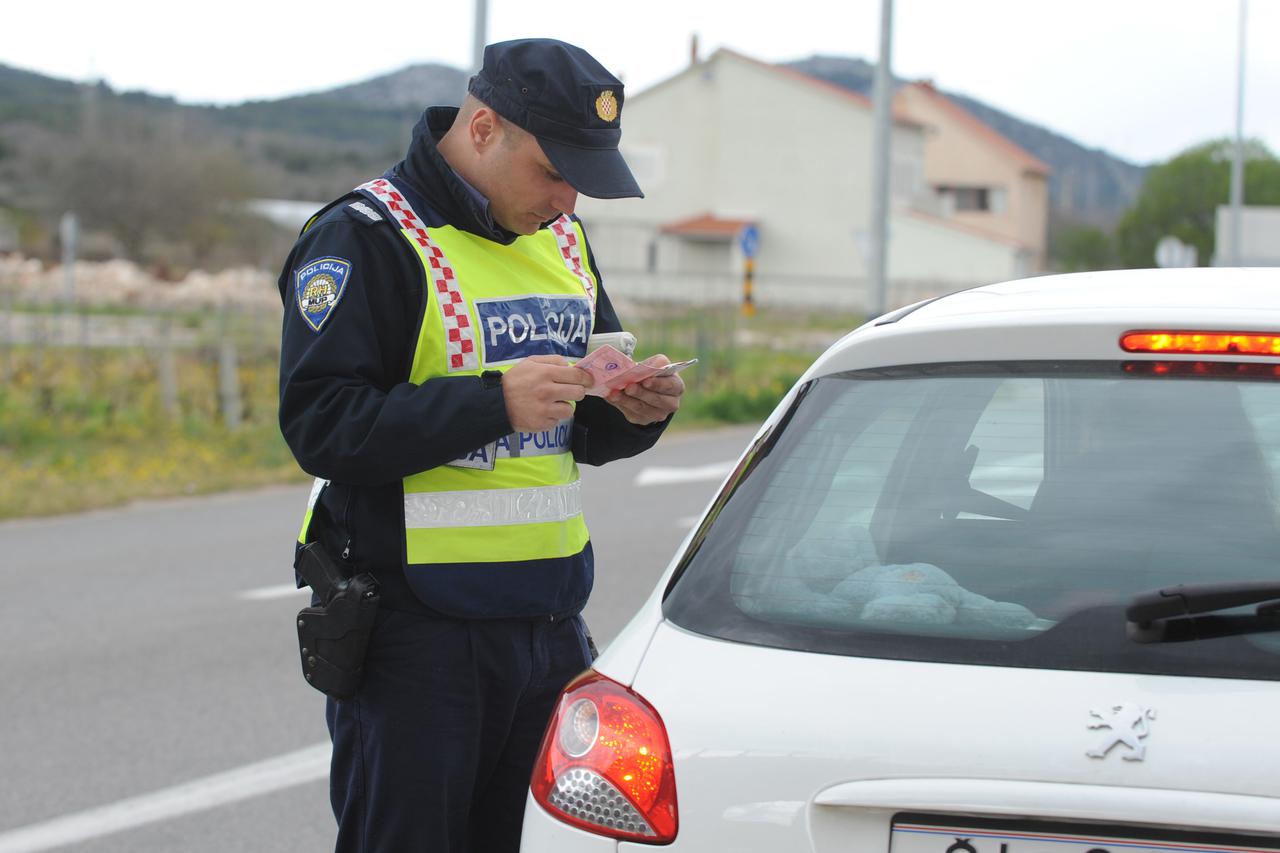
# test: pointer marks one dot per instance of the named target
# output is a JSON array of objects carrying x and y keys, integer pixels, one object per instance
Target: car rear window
[{"x": 999, "y": 513}]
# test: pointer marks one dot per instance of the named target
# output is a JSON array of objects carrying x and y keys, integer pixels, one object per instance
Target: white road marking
[
  {"x": 284, "y": 590},
  {"x": 660, "y": 476},
  {"x": 252, "y": 780}
]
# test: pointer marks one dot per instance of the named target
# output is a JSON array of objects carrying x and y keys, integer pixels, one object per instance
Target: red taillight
[
  {"x": 1202, "y": 343},
  {"x": 605, "y": 764}
]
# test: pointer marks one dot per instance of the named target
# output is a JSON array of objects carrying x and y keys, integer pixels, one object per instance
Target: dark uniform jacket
[{"x": 347, "y": 409}]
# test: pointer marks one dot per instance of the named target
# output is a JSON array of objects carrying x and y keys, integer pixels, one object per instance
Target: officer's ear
[{"x": 484, "y": 129}]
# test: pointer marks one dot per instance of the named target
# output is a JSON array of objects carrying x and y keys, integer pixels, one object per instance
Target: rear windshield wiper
[{"x": 1157, "y": 616}]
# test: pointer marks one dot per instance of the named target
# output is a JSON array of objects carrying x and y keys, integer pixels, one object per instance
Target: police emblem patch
[
  {"x": 319, "y": 286},
  {"x": 607, "y": 106}
]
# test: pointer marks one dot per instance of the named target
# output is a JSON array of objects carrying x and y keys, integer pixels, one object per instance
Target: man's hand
[
  {"x": 537, "y": 391},
  {"x": 653, "y": 399}
]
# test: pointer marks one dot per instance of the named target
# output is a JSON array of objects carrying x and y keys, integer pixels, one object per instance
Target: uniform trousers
[{"x": 435, "y": 751}]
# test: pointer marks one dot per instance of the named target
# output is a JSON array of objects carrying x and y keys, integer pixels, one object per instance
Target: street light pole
[
  {"x": 883, "y": 103},
  {"x": 1237, "y": 158},
  {"x": 479, "y": 34}
]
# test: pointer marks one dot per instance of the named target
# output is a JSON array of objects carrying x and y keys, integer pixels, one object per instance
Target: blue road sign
[{"x": 749, "y": 240}]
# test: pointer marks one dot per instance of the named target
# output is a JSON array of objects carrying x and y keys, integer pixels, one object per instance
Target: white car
[{"x": 1000, "y": 575}]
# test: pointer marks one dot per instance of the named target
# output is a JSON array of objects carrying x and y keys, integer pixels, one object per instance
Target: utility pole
[
  {"x": 883, "y": 102},
  {"x": 1237, "y": 158},
  {"x": 479, "y": 34},
  {"x": 69, "y": 236}
]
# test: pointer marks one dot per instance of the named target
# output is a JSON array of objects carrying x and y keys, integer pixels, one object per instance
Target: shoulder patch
[
  {"x": 318, "y": 287},
  {"x": 366, "y": 212}
]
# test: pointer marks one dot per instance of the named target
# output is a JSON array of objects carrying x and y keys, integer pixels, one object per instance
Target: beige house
[
  {"x": 731, "y": 142},
  {"x": 980, "y": 178}
]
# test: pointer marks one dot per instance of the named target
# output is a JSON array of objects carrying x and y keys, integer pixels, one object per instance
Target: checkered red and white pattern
[
  {"x": 567, "y": 238},
  {"x": 460, "y": 340}
]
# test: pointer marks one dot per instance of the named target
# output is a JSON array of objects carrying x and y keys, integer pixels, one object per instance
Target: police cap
[{"x": 569, "y": 102}]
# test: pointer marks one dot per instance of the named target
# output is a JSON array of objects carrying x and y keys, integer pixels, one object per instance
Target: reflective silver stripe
[
  {"x": 488, "y": 507},
  {"x": 316, "y": 488}
]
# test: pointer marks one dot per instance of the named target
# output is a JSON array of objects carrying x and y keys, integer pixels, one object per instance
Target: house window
[{"x": 971, "y": 199}]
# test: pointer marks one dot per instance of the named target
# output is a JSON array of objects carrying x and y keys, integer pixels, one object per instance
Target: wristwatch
[{"x": 491, "y": 379}]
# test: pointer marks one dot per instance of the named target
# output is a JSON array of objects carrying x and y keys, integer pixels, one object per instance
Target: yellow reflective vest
[{"x": 508, "y": 514}]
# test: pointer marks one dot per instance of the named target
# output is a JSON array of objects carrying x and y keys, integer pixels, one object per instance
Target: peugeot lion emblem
[{"x": 1125, "y": 723}]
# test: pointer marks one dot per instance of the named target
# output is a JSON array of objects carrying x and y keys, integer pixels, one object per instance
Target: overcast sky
[{"x": 1141, "y": 78}]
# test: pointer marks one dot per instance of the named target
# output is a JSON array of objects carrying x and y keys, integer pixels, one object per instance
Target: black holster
[{"x": 334, "y": 636}]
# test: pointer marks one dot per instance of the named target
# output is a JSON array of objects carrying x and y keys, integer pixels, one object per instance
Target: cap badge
[{"x": 607, "y": 106}]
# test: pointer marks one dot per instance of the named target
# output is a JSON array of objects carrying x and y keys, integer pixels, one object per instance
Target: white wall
[
  {"x": 1259, "y": 237},
  {"x": 924, "y": 249}
]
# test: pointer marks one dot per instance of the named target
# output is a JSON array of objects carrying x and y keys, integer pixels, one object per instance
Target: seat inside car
[{"x": 1141, "y": 497}]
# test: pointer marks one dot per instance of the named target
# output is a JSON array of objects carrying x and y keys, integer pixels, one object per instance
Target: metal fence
[{"x": 215, "y": 361}]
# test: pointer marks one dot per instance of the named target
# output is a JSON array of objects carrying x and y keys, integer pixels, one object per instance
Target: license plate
[{"x": 938, "y": 834}]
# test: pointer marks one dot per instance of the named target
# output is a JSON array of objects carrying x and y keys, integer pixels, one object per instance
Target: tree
[
  {"x": 1181, "y": 198},
  {"x": 152, "y": 183},
  {"x": 1079, "y": 248}
]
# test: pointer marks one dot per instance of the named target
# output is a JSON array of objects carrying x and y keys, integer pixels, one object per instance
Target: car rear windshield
[{"x": 1001, "y": 514}]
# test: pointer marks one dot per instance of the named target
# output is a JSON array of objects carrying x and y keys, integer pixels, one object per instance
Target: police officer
[{"x": 431, "y": 316}]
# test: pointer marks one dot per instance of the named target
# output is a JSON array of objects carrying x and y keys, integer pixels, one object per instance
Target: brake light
[
  {"x": 1202, "y": 343},
  {"x": 605, "y": 764}
]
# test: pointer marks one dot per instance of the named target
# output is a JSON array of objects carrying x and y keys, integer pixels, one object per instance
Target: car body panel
[
  {"x": 769, "y": 741},
  {"x": 621, "y": 658}
]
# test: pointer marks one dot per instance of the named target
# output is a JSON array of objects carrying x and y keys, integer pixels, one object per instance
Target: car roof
[
  {"x": 1074, "y": 316},
  {"x": 1195, "y": 289}
]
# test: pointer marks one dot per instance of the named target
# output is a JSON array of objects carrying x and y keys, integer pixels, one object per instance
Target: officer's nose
[{"x": 566, "y": 200}]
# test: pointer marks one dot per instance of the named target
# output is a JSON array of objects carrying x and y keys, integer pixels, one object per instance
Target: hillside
[
  {"x": 375, "y": 112},
  {"x": 1088, "y": 185},
  {"x": 307, "y": 146},
  {"x": 29, "y": 97}
]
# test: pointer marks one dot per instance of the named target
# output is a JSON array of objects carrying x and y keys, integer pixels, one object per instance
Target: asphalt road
[{"x": 150, "y": 698}]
